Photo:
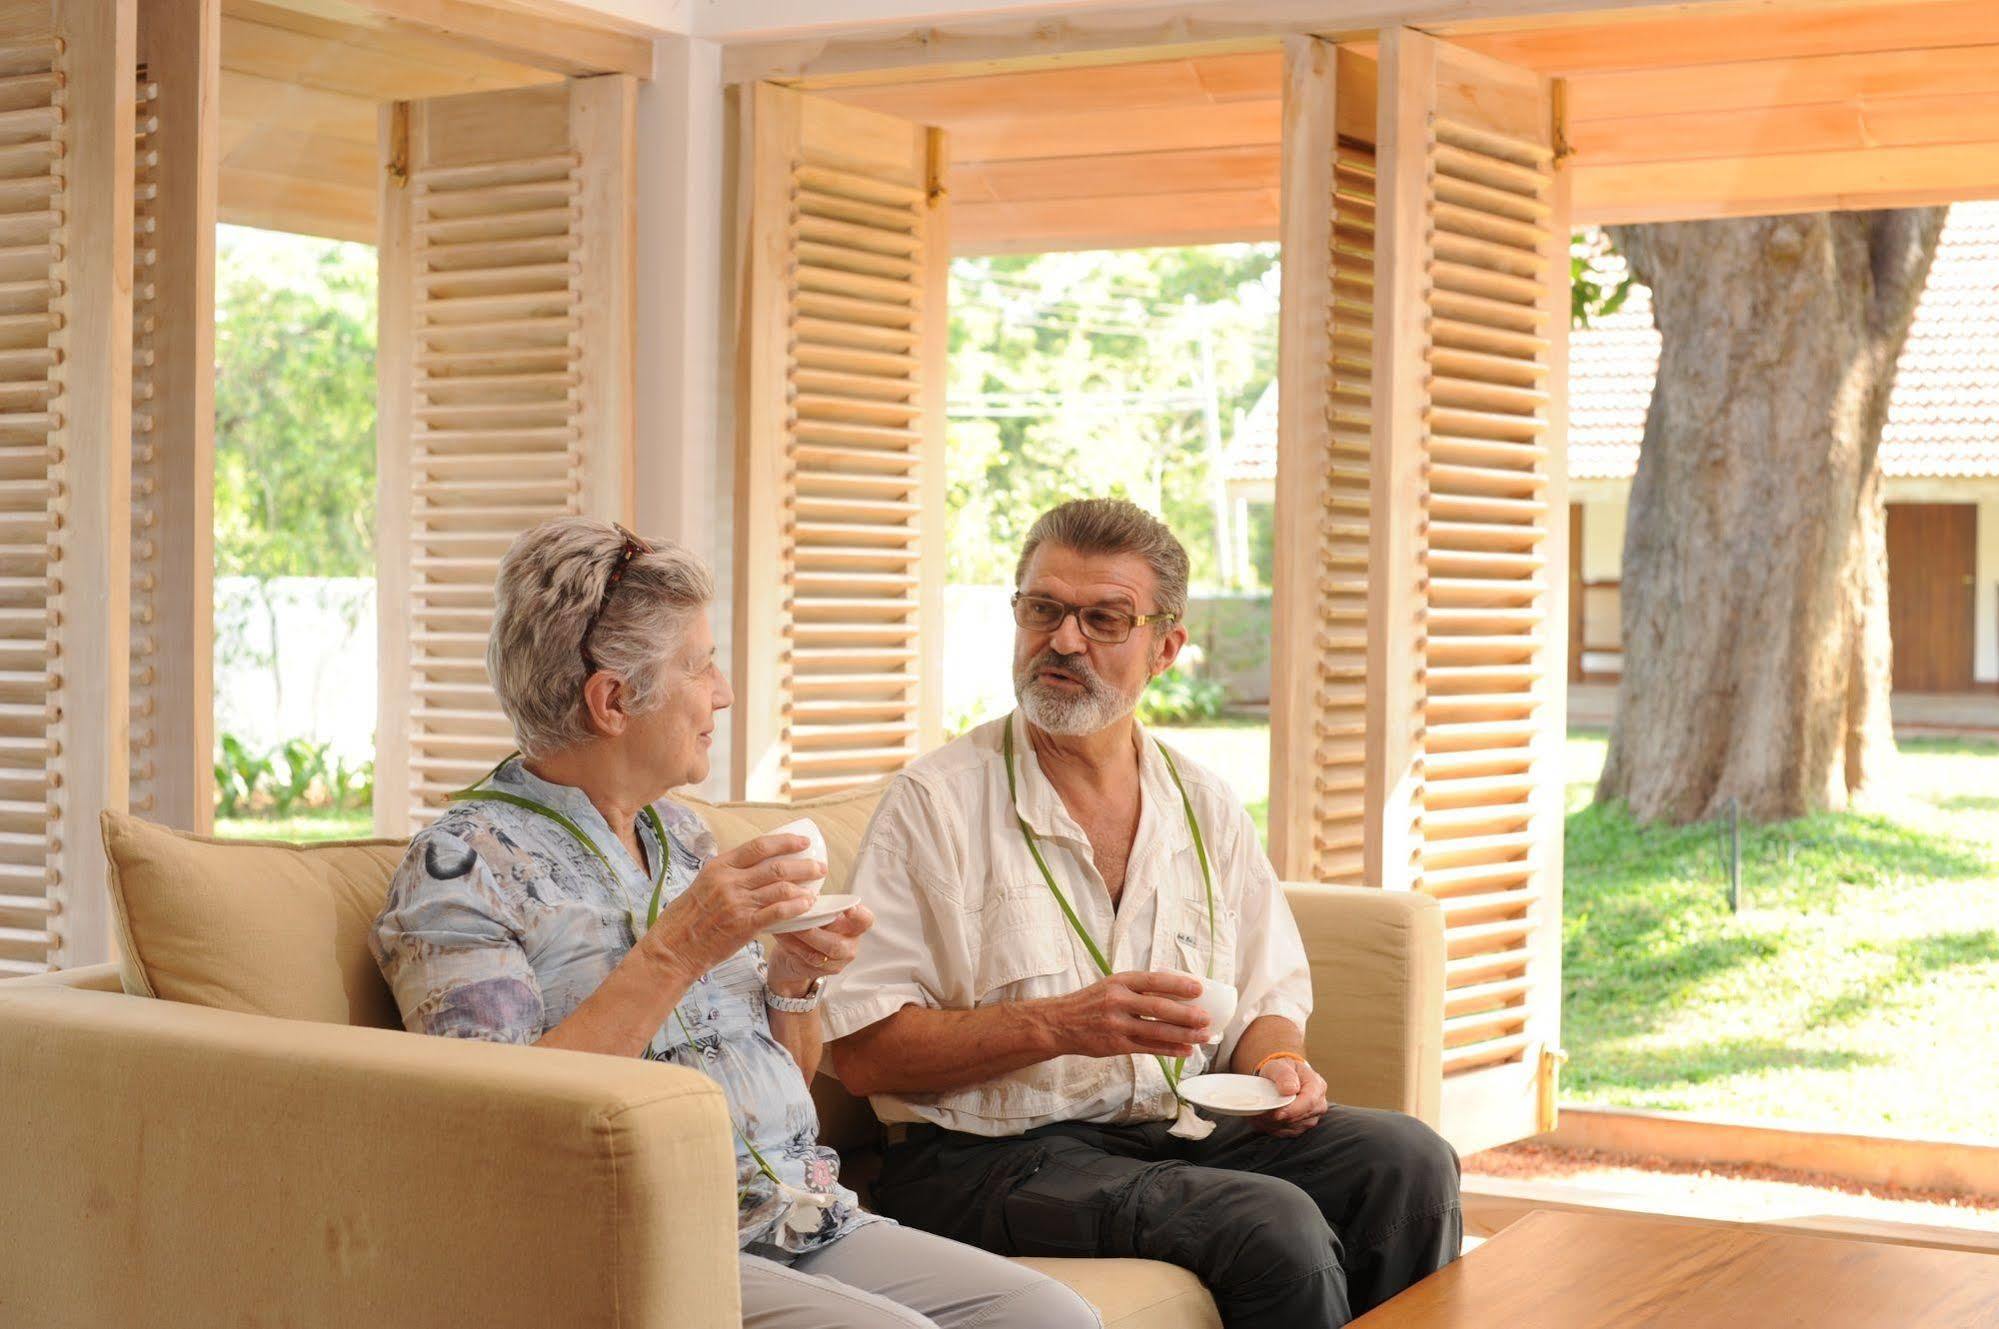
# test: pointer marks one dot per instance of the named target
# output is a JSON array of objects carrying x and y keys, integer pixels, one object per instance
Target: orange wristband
[{"x": 1280, "y": 1056}]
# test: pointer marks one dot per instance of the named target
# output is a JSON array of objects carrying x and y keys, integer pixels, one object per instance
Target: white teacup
[
  {"x": 1218, "y": 999},
  {"x": 816, "y": 851}
]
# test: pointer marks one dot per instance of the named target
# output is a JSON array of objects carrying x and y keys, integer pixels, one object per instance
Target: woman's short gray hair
[
  {"x": 1114, "y": 526},
  {"x": 551, "y": 581}
]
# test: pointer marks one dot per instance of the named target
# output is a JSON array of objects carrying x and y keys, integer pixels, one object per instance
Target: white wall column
[{"x": 685, "y": 471}]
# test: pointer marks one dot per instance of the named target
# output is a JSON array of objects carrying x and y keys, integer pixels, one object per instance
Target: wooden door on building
[{"x": 1932, "y": 585}]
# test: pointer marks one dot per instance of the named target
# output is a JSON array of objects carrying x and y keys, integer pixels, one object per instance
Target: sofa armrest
[
  {"x": 174, "y": 1164},
  {"x": 87, "y": 977},
  {"x": 1377, "y": 1026}
]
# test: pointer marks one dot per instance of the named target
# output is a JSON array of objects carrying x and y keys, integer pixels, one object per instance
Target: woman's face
[{"x": 676, "y": 736}]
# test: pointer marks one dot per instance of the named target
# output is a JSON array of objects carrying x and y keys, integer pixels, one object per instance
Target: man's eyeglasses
[
  {"x": 633, "y": 547},
  {"x": 1106, "y": 624}
]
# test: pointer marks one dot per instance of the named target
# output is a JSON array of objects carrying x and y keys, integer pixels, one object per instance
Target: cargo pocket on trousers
[{"x": 1041, "y": 1207}]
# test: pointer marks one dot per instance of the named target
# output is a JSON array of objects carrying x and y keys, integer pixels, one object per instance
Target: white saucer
[
  {"x": 825, "y": 911},
  {"x": 1233, "y": 1095}
]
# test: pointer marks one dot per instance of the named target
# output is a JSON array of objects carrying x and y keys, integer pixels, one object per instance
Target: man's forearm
[
  {"x": 921, "y": 1050},
  {"x": 1266, "y": 1034}
]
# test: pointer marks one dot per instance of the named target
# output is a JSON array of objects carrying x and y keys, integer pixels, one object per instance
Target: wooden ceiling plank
[
  {"x": 292, "y": 203},
  {"x": 248, "y": 98},
  {"x": 1874, "y": 177},
  {"x": 1093, "y": 223},
  {"x": 1122, "y": 176},
  {"x": 1697, "y": 38},
  {"x": 1248, "y": 76},
  {"x": 540, "y": 41},
  {"x": 1099, "y": 133},
  {"x": 1755, "y": 84},
  {"x": 1824, "y": 128},
  {"x": 274, "y": 150},
  {"x": 1910, "y": 121}
]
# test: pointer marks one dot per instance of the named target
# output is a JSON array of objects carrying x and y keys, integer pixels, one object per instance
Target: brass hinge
[
  {"x": 399, "y": 144},
  {"x": 1547, "y": 1081},
  {"x": 1559, "y": 99}
]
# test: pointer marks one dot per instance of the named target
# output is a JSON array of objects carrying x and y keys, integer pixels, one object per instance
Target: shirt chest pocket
[
  {"x": 1023, "y": 948},
  {"x": 1192, "y": 939}
]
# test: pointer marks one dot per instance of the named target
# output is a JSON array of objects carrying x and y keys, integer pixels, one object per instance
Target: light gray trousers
[{"x": 883, "y": 1276}]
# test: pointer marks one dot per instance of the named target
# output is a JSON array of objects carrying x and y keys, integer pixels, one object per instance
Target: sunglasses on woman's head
[{"x": 632, "y": 548}]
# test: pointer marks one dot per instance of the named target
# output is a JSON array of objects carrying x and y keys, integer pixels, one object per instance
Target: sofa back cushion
[
  {"x": 263, "y": 927},
  {"x": 845, "y": 1122}
]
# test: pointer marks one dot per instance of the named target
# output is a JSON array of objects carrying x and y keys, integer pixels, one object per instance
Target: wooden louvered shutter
[
  {"x": 506, "y": 370},
  {"x": 1422, "y": 472},
  {"x": 840, "y": 502},
  {"x": 173, "y": 414},
  {"x": 66, "y": 168},
  {"x": 1318, "y": 717}
]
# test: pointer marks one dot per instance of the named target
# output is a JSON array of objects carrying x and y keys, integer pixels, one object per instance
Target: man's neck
[{"x": 1101, "y": 764}]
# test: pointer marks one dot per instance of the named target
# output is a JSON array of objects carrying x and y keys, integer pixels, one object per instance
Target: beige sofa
[{"x": 169, "y": 1163}]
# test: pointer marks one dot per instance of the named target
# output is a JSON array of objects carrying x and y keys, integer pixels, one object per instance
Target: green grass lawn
[
  {"x": 1859, "y": 985},
  {"x": 308, "y": 826}
]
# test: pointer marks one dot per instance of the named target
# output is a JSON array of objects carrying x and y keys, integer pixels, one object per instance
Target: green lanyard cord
[
  {"x": 651, "y": 814},
  {"x": 1173, "y": 1068}
]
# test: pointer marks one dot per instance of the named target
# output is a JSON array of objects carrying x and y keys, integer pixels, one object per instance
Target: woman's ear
[{"x": 604, "y": 702}]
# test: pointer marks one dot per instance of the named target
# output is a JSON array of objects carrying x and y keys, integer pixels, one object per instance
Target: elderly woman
[{"x": 565, "y": 901}]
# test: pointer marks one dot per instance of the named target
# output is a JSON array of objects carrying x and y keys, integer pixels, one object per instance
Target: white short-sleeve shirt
[{"x": 964, "y": 919}]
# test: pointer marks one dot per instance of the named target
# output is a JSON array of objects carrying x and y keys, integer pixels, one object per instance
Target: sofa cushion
[
  {"x": 842, "y": 818},
  {"x": 1136, "y": 1294},
  {"x": 262, "y": 927}
]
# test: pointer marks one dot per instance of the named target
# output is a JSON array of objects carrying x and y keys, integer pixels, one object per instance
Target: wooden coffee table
[{"x": 1585, "y": 1271}]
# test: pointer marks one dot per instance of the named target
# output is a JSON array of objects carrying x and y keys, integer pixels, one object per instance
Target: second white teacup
[
  {"x": 816, "y": 850},
  {"x": 1218, "y": 999}
]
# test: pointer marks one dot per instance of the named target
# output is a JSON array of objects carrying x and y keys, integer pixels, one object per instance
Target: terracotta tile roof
[{"x": 1943, "y": 420}]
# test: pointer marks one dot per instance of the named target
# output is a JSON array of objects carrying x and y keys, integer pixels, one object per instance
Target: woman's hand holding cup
[{"x": 734, "y": 897}]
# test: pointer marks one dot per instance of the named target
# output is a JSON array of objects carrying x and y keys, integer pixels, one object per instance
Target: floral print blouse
[{"x": 499, "y": 924}]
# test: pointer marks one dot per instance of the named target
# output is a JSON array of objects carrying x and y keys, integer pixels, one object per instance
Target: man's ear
[
  {"x": 1168, "y": 648},
  {"x": 604, "y": 704}
]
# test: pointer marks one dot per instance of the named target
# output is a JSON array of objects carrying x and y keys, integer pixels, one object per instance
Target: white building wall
[{"x": 1985, "y": 655}]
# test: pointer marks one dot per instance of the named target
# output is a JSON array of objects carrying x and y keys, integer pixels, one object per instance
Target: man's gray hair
[
  {"x": 1114, "y": 526},
  {"x": 551, "y": 581}
]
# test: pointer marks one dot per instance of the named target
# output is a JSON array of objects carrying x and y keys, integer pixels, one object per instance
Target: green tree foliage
[
  {"x": 1079, "y": 375},
  {"x": 294, "y": 407}
]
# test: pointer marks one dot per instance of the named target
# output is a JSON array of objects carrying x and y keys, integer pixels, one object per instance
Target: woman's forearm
[{"x": 628, "y": 1007}]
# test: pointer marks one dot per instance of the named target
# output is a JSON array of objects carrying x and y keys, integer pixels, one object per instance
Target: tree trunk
[{"x": 1755, "y": 582}]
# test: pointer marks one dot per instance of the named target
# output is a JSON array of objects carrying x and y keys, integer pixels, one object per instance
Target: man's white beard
[{"x": 1097, "y": 707}]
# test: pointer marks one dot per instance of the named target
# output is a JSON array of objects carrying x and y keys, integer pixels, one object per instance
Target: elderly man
[{"x": 1046, "y": 887}]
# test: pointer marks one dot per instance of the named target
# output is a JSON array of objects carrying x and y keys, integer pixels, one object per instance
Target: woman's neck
[{"x": 616, "y": 790}]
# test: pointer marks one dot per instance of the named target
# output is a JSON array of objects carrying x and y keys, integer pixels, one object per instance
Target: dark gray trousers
[{"x": 1285, "y": 1233}]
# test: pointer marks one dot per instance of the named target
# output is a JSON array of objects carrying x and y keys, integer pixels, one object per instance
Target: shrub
[{"x": 1178, "y": 697}]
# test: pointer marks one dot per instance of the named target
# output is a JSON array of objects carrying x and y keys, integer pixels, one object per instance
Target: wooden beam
[
  {"x": 279, "y": 151},
  {"x": 569, "y": 46},
  {"x": 1697, "y": 37},
  {"x": 1880, "y": 177},
  {"x": 180, "y": 43},
  {"x": 89, "y": 759},
  {"x": 362, "y": 62}
]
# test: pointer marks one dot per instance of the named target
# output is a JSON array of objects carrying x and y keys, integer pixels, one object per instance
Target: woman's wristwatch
[{"x": 794, "y": 1005}]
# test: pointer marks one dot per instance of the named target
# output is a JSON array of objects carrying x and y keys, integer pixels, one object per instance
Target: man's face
[{"x": 1068, "y": 683}]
